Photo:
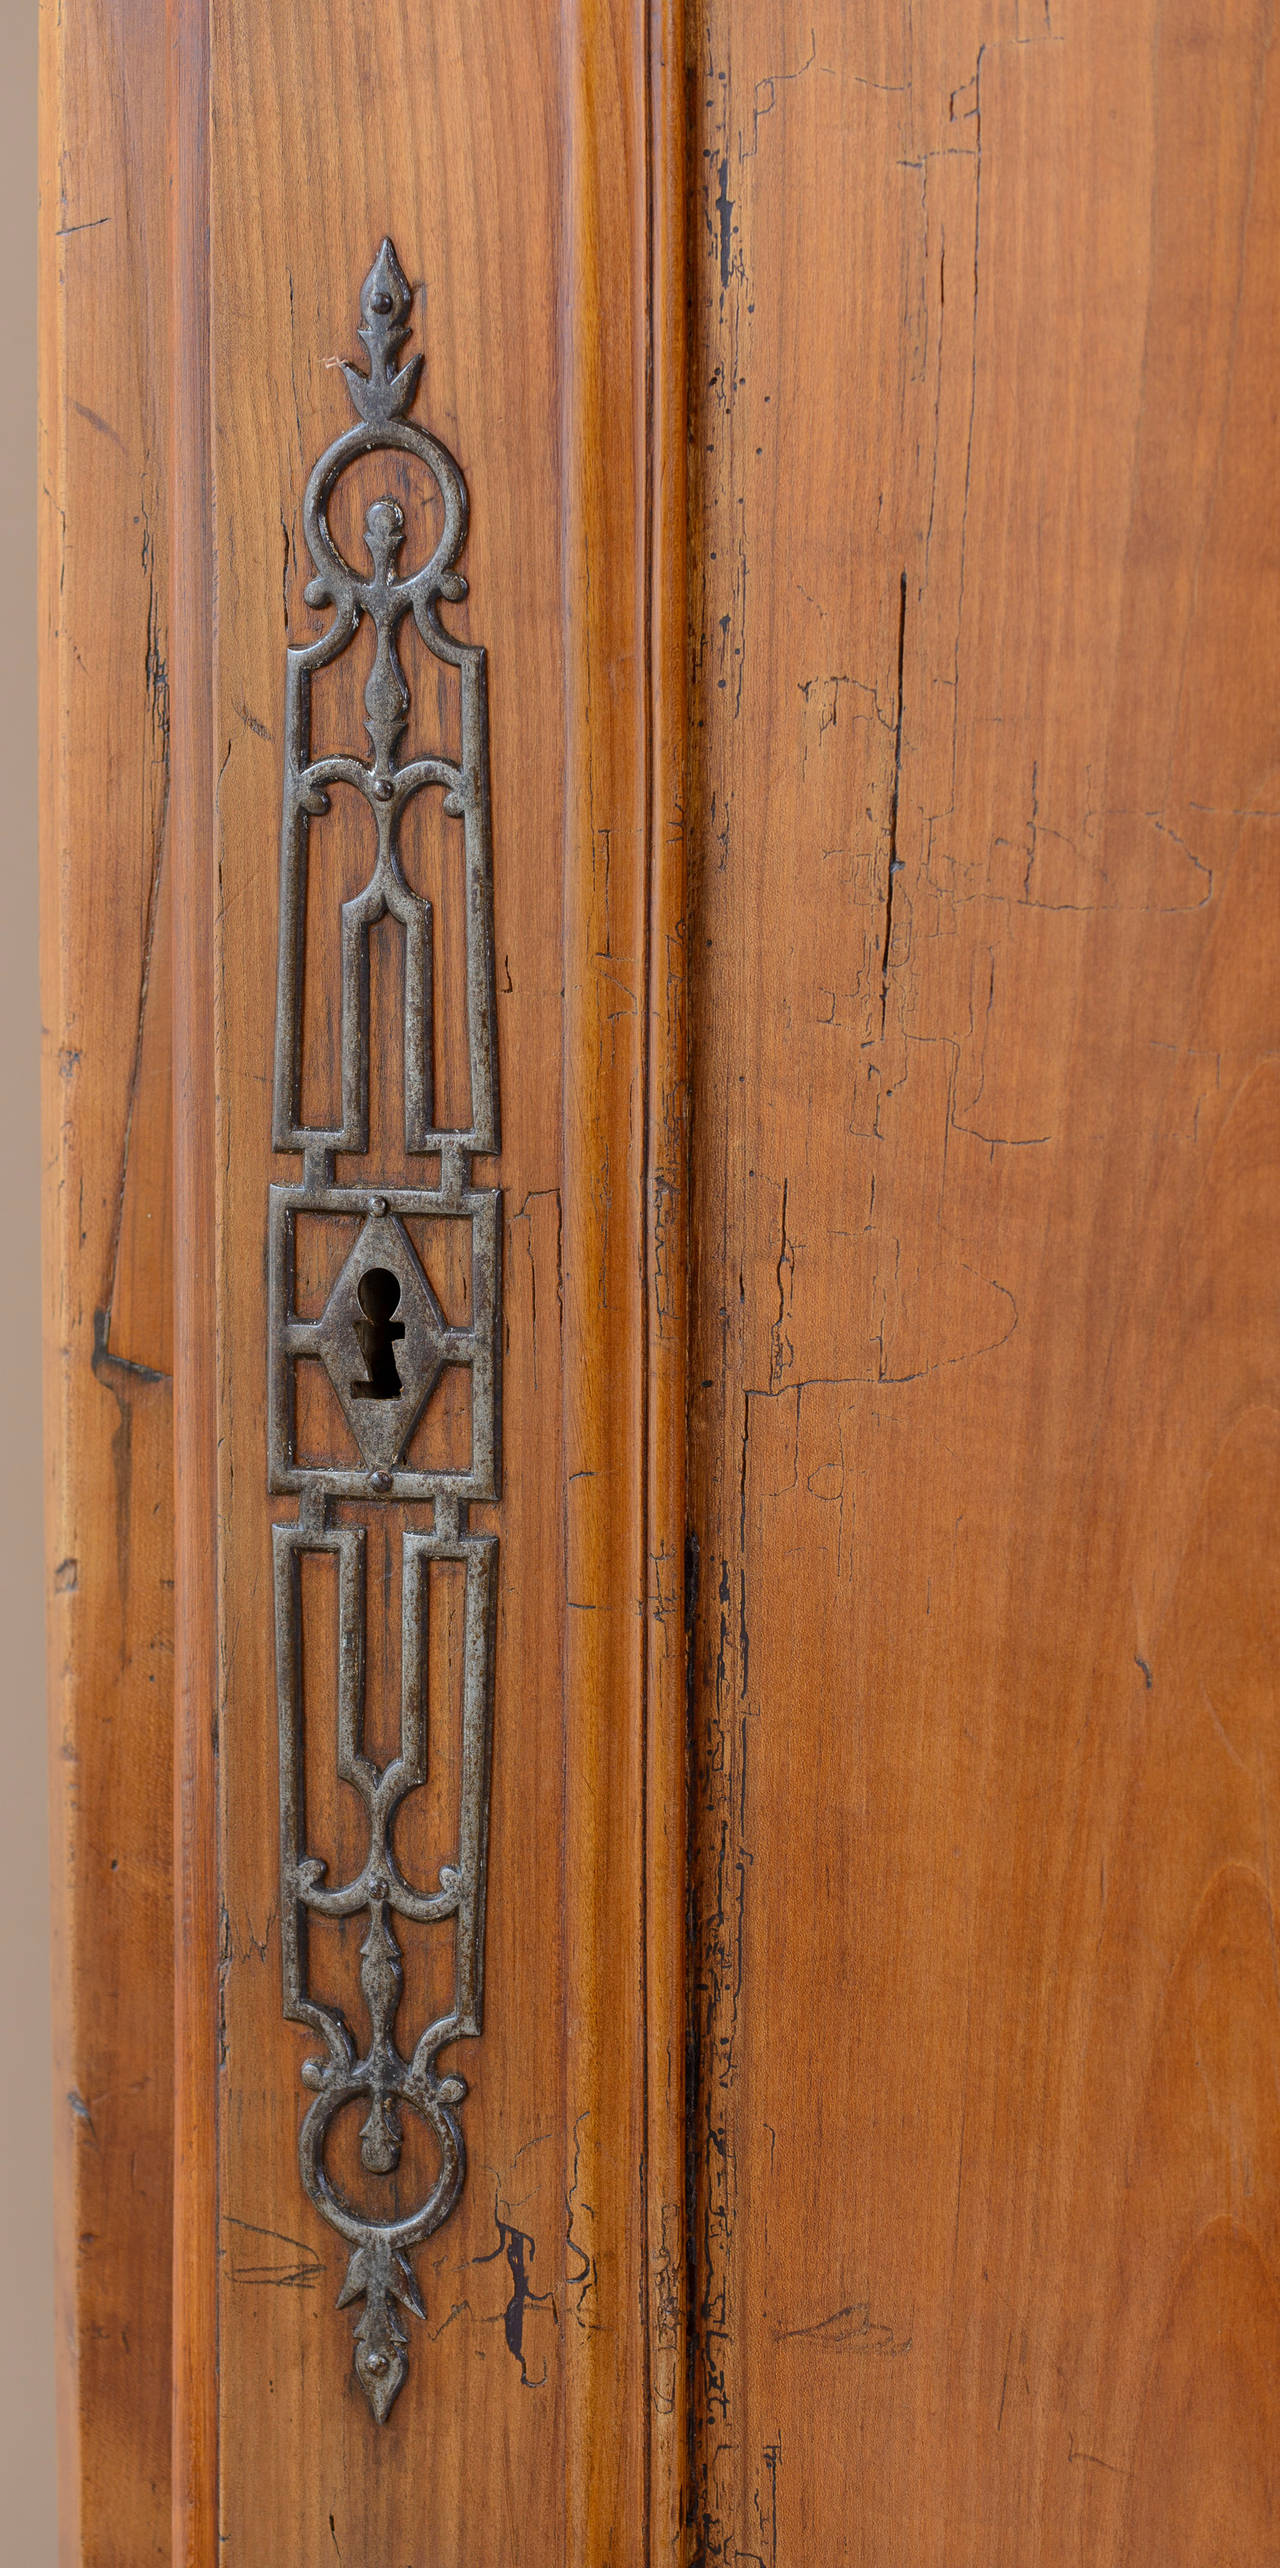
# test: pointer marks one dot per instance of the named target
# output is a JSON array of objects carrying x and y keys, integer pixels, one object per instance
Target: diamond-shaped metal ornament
[{"x": 382, "y": 1336}]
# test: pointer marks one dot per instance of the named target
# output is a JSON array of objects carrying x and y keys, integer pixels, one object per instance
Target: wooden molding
[
  {"x": 199, "y": 1490},
  {"x": 624, "y": 1300}
]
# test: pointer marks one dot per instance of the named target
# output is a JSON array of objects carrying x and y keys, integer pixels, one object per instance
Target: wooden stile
[
  {"x": 513, "y": 170},
  {"x": 982, "y": 1414},
  {"x": 105, "y": 719}
]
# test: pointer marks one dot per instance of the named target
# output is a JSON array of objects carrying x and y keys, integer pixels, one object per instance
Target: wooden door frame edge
[
  {"x": 666, "y": 1279},
  {"x": 197, "y": 1688},
  {"x": 624, "y": 1232}
]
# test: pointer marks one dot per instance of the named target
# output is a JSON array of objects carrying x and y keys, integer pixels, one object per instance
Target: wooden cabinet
[{"x": 660, "y": 794}]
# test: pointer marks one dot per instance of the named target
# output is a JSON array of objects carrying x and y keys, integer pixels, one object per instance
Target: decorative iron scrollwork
[{"x": 383, "y": 1340}]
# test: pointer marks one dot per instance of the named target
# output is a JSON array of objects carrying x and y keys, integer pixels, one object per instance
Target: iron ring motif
[{"x": 384, "y": 1371}]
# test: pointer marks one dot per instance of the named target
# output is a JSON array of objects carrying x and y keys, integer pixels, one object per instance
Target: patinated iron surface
[{"x": 384, "y": 1341}]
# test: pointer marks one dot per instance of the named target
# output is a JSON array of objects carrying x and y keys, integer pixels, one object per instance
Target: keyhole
[{"x": 377, "y": 1332}]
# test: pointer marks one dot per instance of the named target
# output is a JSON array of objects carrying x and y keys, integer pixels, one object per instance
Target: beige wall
[{"x": 26, "y": 2313}]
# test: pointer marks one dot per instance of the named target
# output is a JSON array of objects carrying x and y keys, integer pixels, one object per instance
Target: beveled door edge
[
  {"x": 193, "y": 866},
  {"x": 668, "y": 2246},
  {"x": 624, "y": 438}
]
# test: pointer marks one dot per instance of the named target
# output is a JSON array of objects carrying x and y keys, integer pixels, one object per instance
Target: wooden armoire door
[{"x": 662, "y": 970}]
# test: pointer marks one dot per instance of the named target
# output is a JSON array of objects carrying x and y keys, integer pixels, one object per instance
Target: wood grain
[
  {"x": 108, "y": 1406},
  {"x": 198, "y": 1939},
  {"x": 667, "y": 1310},
  {"x": 510, "y": 159},
  {"x": 970, "y": 740},
  {"x": 624, "y": 1308},
  {"x": 985, "y": 1357}
]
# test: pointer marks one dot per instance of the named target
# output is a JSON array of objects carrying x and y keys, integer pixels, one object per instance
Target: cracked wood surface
[{"x": 984, "y": 1455}]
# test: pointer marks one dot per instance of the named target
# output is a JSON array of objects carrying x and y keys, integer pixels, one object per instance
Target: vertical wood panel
[
  {"x": 329, "y": 131},
  {"x": 985, "y": 1355},
  {"x": 509, "y": 158},
  {"x": 606, "y": 886},
  {"x": 198, "y": 2035},
  {"x": 103, "y": 783},
  {"x": 667, "y": 1310}
]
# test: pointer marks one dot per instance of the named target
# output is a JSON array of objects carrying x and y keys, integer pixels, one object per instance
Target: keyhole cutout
[{"x": 378, "y": 1294}]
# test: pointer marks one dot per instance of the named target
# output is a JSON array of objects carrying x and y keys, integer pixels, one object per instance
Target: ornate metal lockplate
[{"x": 384, "y": 1339}]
